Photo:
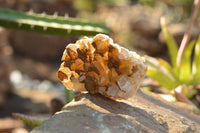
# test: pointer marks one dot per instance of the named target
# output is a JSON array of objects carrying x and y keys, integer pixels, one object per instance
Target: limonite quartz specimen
[{"x": 97, "y": 65}]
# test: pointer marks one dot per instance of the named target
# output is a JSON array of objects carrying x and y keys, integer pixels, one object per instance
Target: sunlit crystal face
[{"x": 97, "y": 65}]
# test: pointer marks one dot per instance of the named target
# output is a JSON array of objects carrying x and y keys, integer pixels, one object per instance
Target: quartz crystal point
[{"x": 97, "y": 65}]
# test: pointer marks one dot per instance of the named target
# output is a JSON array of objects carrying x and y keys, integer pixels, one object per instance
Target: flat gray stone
[{"x": 144, "y": 113}]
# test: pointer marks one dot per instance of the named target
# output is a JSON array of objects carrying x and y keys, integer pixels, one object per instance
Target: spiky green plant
[
  {"x": 170, "y": 76},
  {"x": 49, "y": 24}
]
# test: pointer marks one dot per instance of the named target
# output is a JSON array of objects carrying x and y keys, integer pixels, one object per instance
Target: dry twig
[{"x": 187, "y": 34}]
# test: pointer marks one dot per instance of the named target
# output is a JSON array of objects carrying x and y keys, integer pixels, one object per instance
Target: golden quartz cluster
[{"x": 97, "y": 65}]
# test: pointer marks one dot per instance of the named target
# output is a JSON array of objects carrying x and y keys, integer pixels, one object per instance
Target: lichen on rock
[{"x": 97, "y": 65}]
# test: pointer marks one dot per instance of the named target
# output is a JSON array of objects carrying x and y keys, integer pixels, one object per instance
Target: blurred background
[{"x": 29, "y": 61}]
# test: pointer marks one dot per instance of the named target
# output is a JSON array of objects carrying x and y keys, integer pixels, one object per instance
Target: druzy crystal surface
[{"x": 97, "y": 65}]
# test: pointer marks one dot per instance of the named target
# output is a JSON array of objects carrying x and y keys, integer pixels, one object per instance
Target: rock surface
[{"x": 144, "y": 113}]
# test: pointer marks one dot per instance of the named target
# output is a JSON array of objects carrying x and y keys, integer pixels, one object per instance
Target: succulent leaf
[
  {"x": 185, "y": 68},
  {"x": 30, "y": 120},
  {"x": 171, "y": 44},
  {"x": 161, "y": 78},
  {"x": 47, "y": 24},
  {"x": 196, "y": 63},
  {"x": 168, "y": 67},
  {"x": 160, "y": 74}
]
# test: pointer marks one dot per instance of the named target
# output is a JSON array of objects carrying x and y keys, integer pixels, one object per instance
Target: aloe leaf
[
  {"x": 162, "y": 79},
  {"x": 160, "y": 74},
  {"x": 47, "y": 24},
  {"x": 185, "y": 72},
  {"x": 171, "y": 44},
  {"x": 30, "y": 120},
  {"x": 196, "y": 63},
  {"x": 168, "y": 67}
]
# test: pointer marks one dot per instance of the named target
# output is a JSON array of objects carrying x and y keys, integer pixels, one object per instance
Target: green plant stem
[
  {"x": 187, "y": 34},
  {"x": 69, "y": 95}
]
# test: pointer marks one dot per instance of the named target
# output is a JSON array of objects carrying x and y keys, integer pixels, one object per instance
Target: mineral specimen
[{"x": 97, "y": 65}]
